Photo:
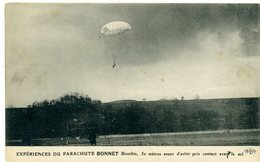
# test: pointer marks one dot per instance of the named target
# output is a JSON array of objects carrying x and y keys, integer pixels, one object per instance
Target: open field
[
  {"x": 215, "y": 138},
  {"x": 203, "y": 138}
]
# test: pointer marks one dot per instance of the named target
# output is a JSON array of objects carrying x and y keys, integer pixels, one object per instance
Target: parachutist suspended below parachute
[
  {"x": 114, "y": 65},
  {"x": 113, "y": 30}
]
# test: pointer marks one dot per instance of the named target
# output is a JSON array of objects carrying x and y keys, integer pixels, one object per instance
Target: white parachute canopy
[
  {"x": 115, "y": 28},
  {"x": 113, "y": 31}
]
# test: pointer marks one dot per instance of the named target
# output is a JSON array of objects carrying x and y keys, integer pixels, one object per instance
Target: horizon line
[{"x": 163, "y": 99}]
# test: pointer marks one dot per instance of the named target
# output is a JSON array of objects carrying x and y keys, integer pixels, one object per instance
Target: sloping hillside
[{"x": 133, "y": 117}]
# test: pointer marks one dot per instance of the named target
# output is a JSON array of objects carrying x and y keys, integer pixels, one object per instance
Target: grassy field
[
  {"x": 203, "y": 138},
  {"x": 209, "y": 138}
]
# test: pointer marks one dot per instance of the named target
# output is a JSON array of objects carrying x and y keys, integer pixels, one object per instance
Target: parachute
[{"x": 113, "y": 30}]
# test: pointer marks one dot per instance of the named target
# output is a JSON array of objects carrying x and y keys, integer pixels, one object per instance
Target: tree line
[{"x": 76, "y": 115}]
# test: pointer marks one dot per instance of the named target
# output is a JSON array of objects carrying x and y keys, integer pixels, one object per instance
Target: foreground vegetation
[{"x": 76, "y": 115}]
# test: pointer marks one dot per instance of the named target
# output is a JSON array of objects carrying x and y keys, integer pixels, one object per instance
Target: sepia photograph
[{"x": 132, "y": 74}]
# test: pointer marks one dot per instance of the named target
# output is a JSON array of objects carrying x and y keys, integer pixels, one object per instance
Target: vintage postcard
[{"x": 135, "y": 82}]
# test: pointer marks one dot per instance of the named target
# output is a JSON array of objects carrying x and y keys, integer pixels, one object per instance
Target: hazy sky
[{"x": 172, "y": 51}]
